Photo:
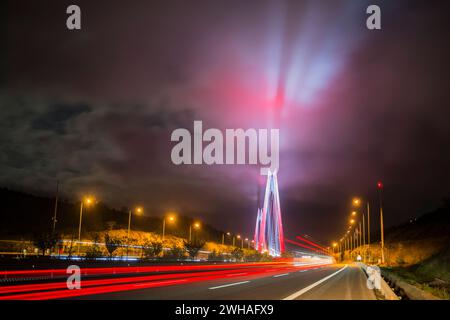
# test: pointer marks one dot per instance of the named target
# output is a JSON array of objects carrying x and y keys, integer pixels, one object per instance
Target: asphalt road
[
  {"x": 216, "y": 282},
  {"x": 336, "y": 282}
]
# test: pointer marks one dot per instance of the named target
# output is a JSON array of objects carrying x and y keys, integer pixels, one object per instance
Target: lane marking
[
  {"x": 236, "y": 274},
  {"x": 228, "y": 285},
  {"x": 280, "y": 275},
  {"x": 297, "y": 294},
  {"x": 303, "y": 270}
]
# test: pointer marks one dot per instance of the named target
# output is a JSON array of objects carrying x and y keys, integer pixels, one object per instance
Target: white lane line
[
  {"x": 297, "y": 294},
  {"x": 229, "y": 285},
  {"x": 280, "y": 275},
  {"x": 303, "y": 270},
  {"x": 236, "y": 274}
]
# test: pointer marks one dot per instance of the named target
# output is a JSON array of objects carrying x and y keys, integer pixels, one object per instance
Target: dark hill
[{"x": 23, "y": 214}]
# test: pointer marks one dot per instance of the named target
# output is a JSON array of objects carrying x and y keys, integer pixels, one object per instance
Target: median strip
[
  {"x": 229, "y": 285},
  {"x": 297, "y": 294}
]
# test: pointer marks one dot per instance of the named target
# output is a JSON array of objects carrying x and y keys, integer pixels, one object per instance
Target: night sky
[{"x": 95, "y": 108}]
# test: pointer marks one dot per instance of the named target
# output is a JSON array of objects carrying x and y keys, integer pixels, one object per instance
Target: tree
[
  {"x": 94, "y": 251},
  {"x": 45, "y": 241},
  {"x": 237, "y": 254},
  {"x": 153, "y": 249},
  {"x": 175, "y": 252},
  {"x": 193, "y": 247},
  {"x": 112, "y": 244},
  {"x": 215, "y": 256}
]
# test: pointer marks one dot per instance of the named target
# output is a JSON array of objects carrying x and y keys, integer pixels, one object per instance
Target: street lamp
[
  {"x": 248, "y": 243},
  {"x": 171, "y": 218},
  {"x": 138, "y": 211},
  {"x": 196, "y": 225},
  {"x": 334, "y": 246},
  {"x": 356, "y": 202},
  {"x": 223, "y": 237},
  {"x": 380, "y": 191},
  {"x": 352, "y": 221},
  {"x": 87, "y": 201},
  {"x": 242, "y": 241}
]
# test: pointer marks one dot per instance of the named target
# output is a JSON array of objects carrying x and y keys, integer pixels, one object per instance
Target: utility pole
[
  {"x": 380, "y": 189},
  {"x": 128, "y": 232},
  {"x": 360, "y": 238},
  {"x": 368, "y": 223},
  {"x": 56, "y": 207},
  {"x": 364, "y": 237}
]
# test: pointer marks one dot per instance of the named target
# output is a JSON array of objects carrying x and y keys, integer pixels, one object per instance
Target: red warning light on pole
[{"x": 379, "y": 185}]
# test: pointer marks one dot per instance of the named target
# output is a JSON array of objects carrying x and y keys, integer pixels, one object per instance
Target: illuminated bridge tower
[{"x": 269, "y": 235}]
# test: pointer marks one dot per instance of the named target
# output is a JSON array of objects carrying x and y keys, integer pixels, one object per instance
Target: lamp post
[
  {"x": 196, "y": 226},
  {"x": 380, "y": 189},
  {"x": 138, "y": 210},
  {"x": 223, "y": 237},
  {"x": 242, "y": 242},
  {"x": 368, "y": 224},
  {"x": 88, "y": 201},
  {"x": 171, "y": 219}
]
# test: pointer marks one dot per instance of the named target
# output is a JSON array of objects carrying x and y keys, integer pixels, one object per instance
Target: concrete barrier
[{"x": 385, "y": 290}]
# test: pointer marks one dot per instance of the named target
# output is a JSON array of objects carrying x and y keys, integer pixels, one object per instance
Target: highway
[{"x": 262, "y": 281}]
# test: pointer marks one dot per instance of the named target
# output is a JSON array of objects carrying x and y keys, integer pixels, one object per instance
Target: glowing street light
[
  {"x": 223, "y": 237},
  {"x": 88, "y": 201},
  {"x": 171, "y": 218},
  {"x": 196, "y": 225},
  {"x": 242, "y": 240},
  {"x": 354, "y": 213},
  {"x": 356, "y": 202},
  {"x": 352, "y": 221},
  {"x": 139, "y": 211}
]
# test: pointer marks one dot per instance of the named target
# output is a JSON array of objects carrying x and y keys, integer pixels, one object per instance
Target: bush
[
  {"x": 45, "y": 241},
  {"x": 94, "y": 251},
  {"x": 175, "y": 253},
  {"x": 152, "y": 249},
  {"x": 215, "y": 256},
  {"x": 193, "y": 247},
  {"x": 237, "y": 254},
  {"x": 112, "y": 244}
]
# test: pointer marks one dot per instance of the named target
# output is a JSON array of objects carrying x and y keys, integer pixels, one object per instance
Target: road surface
[{"x": 216, "y": 282}]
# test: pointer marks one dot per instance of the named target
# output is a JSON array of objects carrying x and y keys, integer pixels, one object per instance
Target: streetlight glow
[
  {"x": 356, "y": 201},
  {"x": 88, "y": 200}
]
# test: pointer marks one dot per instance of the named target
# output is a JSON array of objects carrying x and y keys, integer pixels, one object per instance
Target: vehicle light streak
[{"x": 92, "y": 287}]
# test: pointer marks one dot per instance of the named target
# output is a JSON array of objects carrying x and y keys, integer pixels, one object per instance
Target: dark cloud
[{"x": 57, "y": 116}]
